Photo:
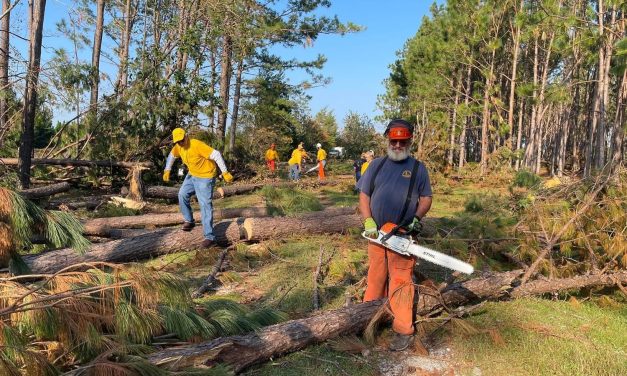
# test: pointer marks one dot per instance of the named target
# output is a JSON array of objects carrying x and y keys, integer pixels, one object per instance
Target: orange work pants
[
  {"x": 321, "y": 175},
  {"x": 399, "y": 270},
  {"x": 271, "y": 165}
]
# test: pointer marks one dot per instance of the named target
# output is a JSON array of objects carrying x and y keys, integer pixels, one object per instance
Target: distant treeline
[{"x": 519, "y": 82}]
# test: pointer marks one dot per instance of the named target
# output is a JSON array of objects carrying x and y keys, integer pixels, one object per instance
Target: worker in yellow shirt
[
  {"x": 296, "y": 161},
  {"x": 322, "y": 161},
  {"x": 202, "y": 161},
  {"x": 369, "y": 155},
  {"x": 272, "y": 157}
]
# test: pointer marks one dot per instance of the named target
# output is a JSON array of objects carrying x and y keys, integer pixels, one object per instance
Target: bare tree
[{"x": 36, "y": 16}]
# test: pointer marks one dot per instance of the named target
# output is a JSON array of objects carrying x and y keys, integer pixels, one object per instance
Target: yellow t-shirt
[
  {"x": 297, "y": 157},
  {"x": 196, "y": 158},
  {"x": 364, "y": 167},
  {"x": 271, "y": 155},
  {"x": 322, "y": 155}
]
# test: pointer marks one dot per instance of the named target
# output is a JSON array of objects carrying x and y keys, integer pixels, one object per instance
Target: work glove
[
  {"x": 415, "y": 227},
  {"x": 166, "y": 175},
  {"x": 227, "y": 176},
  {"x": 370, "y": 228}
]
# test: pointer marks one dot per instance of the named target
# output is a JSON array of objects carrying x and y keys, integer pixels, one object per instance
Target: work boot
[
  {"x": 188, "y": 226},
  {"x": 207, "y": 243},
  {"x": 400, "y": 342}
]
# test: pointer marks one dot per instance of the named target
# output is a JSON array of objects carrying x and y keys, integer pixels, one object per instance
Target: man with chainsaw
[
  {"x": 394, "y": 189},
  {"x": 202, "y": 161},
  {"x": 296, "y": 161}
]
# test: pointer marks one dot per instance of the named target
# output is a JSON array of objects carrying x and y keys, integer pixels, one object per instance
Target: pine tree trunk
[
  {"x": 512, "y": 86},
  {"x": 125, "y": 41},
  {"x": 531, "y": 139},
  {"x": 462, "y": 136},
  {"x": 236, "y": 99},
  {"x": 37, "y": 12},
  {"x": 451, "y": 150},
  {"x": 95, "y": 57},
  {"x": 225, "y": 82},
  {"x": 5, "y": 88},
  {"x": 485, "y": 121}
]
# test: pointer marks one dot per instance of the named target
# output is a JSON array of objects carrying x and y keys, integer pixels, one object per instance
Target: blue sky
[{"x": 356, "y": 63}]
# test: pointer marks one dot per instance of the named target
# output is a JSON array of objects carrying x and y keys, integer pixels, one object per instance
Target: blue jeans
[
  {"x": 294, "y": 172},
  {"x": 203, "y": 188}
]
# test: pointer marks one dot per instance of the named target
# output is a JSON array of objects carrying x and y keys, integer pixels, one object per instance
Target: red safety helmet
[{"x": 399, "y": 129}]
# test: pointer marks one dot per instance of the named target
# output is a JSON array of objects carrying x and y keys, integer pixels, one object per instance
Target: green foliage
[
  {"x": 27, "y": 219},
  {"x": 358, "y": 135},
  {"x": 284, "y": 201},
  {"x": 526, "y": 179}
]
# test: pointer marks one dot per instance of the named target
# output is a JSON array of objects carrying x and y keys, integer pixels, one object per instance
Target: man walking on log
[
  {"x": 395, "y": 189},
  {"x": 271, "y": 158},
  {"x": 202, "y": 161}
]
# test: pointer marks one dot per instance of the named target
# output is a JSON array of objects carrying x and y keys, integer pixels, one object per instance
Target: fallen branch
[{"x": 208, "y": 283}]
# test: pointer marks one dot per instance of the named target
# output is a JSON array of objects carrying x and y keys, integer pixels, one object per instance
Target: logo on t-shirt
[{"x": 406, "y": 174}]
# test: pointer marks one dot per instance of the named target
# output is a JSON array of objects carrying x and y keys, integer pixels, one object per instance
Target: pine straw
[
  {"x": 96, "y": 315},
  {"x": 20, "y": 219}
]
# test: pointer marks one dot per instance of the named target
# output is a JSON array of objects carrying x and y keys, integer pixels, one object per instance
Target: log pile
[{"x": 242, "y": 351}]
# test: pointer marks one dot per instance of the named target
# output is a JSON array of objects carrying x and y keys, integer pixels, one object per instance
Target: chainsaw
[{"x": 403, "y": 244}]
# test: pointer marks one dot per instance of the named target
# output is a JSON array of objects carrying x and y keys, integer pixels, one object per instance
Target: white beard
[{"x": 397, "y": 156}]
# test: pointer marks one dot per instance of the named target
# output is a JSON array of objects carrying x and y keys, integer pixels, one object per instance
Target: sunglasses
[{"x": 399, "y": 142}]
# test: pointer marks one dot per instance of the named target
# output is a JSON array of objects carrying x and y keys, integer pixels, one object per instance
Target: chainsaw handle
[{"x": 394, "y": 231}]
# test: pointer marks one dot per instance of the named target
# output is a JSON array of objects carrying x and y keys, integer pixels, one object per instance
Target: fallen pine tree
[
  {"x": 242, "y": 351},
  {"x": 45, "y": 191},
  {"x": 168, "y": 240},
  {"x": 171, "y": 193},
  {"x": 76, "y": 163},
  {"x": 103, "y": 226}
]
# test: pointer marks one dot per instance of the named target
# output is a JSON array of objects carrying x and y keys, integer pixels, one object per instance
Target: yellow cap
[{"x": 178, "y": 134}]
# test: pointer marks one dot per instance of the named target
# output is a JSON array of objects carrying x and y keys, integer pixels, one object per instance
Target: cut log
[
  {"x": 332, "y": 220},
  {"x": 102, "y": 226},
  {"x": 158, "y": 242},
  {"x": 45, "y": 191},
  {"x": 243, "y": 351},
  {"x": 77, "y": 162}
]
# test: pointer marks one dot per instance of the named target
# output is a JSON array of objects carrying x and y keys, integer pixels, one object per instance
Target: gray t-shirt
[{"x": 390, "y": 189}]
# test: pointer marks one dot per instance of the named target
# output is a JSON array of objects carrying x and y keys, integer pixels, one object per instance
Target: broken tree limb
[
  {"x": 208, "y": 283},
  {"x": 158, "y": 242},
  {"x": 45, "y": 191},
  {"x": 76, "y": 162},
  {"x": 102, "y": 226},
  {"x": 243, "y": 351}
]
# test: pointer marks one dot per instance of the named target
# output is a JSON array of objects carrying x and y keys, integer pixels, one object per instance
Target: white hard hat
[{"x": 318, "y": 145}]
